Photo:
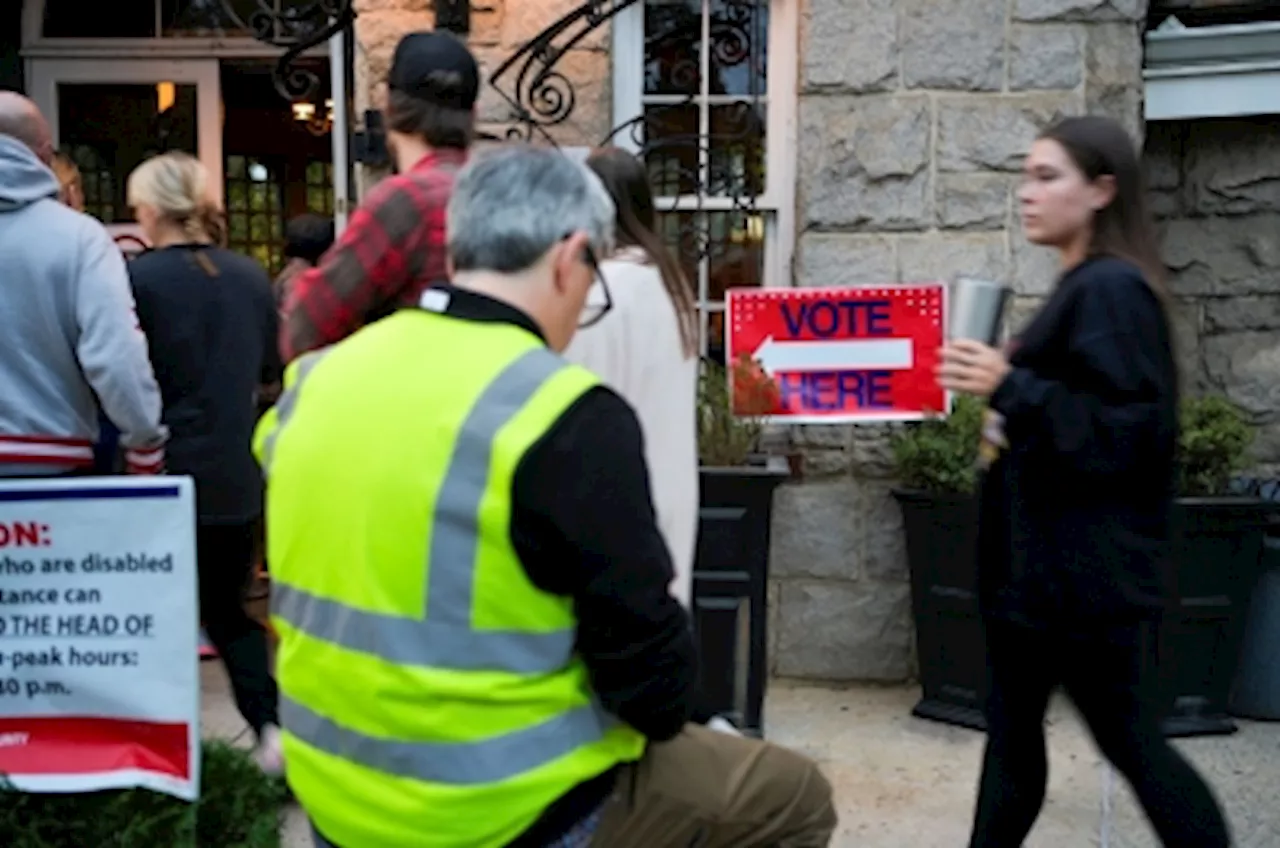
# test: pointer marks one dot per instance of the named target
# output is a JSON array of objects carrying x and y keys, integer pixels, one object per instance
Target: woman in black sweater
[{"x": 1075, "y": 502}]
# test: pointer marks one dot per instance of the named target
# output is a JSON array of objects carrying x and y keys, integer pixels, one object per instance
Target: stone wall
[
  {"x": 498, "y": 29},
  {"x": 1216, "y": 188},
  {"x": 914, "y": 117}
]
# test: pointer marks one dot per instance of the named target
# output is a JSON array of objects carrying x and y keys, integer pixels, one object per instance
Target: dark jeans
[
  {"x": 1113, "y": 688},
  {"x": 225, "y": 558}
]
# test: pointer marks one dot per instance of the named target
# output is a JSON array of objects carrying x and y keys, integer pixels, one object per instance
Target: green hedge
[{"x": 239, "y": 807}]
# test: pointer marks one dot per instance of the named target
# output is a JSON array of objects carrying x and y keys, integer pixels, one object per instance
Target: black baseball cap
[{"x": 436, "y": 67}]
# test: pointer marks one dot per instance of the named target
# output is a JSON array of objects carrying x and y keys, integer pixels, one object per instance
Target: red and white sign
[
  {"x": 849, "y": 354},
  {"x": 99, "y": 679}
]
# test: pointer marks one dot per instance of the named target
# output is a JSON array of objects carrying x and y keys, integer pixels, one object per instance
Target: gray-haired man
[{"x": 478, "y": 644}]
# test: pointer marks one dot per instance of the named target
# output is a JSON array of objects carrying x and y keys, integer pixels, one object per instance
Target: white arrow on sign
[{"x": 846, "y": 354}]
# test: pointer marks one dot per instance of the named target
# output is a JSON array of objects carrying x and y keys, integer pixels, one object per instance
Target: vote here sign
[
  {"x": 99, "y": 678},
  {"x": 864, "y": 353}
]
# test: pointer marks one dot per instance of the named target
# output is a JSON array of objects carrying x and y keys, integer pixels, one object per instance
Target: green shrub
[
  {"x": 941, "y": 454},
  {"x": 239, "y": 807},
  {"x": 1215, "y": 439}
]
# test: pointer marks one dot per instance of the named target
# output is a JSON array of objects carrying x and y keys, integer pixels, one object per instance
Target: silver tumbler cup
[{"x": 977, "y": 309}]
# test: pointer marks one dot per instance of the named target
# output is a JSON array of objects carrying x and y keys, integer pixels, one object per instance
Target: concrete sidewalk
[{"x": 905, "y": 783}]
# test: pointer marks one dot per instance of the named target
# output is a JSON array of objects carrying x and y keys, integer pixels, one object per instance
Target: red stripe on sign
[{"x": 38, "y": 746}]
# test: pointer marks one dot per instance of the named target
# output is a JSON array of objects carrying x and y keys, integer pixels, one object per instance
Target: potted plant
[
  {"x": 1217, "y": 555},
  {"x": 731, "y": 566},
  {"x": 936, "y": 463},
  {"x": 1216, "y": 551},
  {"x": 239, "y": 807}
]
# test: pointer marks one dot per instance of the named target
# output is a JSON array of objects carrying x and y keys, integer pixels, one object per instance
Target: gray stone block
[
  {"x": 1019, "y": 314},
  {"x": 1036, "y": 269},
  {"x": 844, "y": 631},
  {"x": 851, "y": 45},
  {"x": 1046, "y": 56},
  {"x": 1162, "y": 154},
  {"x": 825, "y": 463},
  {"x": 817, "y": 530},
  {"x": 973, "y": 201},
  {"x": 823, "y": 436},
  {"x": 953, "y": 45},
  {"x": 884, "y": 555},
  {"x": 872, "y": 455},
  {"x": 837, "y": 259},
  {"x": 864, "y": 162},
  {"x": 1233, "y": 167},
  {"x": 1186, "y": 321},
  {"x": 995, "y": 133},
  {"x": 1245, "y": 365},
  {"x": 943, "y": 256},
  {"x": 1257, "y": 312},
  {"x": 1079, "y": 10},
  {"x": 1223, "y": 256}
]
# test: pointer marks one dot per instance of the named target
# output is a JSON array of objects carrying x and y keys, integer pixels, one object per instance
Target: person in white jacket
[
  {"x": 644, "y": 345},
  {"x": 71, "y": 338}
]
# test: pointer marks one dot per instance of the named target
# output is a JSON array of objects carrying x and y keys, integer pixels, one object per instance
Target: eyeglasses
[{"x": 593, "y": 313}]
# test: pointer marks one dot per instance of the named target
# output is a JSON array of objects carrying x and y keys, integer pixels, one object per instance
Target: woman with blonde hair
[{"x": 211, "y": 324}]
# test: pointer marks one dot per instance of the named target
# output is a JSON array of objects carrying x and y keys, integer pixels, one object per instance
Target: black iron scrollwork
[
  {"x": 539, "y": 95},
  {"x": 296, "y": 26}
]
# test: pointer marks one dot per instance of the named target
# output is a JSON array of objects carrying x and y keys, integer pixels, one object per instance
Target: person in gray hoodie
[{"x": 71, "y": 338}]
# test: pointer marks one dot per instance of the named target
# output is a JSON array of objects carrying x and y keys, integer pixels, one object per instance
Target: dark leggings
[
  {"x": 1111, "y": 686},
  {"x": 225, "y": 558}
]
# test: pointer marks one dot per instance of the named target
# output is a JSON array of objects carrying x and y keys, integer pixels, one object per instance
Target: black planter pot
[
  {"x": 1217, "y": 554},
  {"x": 730, "y": 587},
  {"x": 942, "y": 554},
  {"x": 1218, "y": 545}
]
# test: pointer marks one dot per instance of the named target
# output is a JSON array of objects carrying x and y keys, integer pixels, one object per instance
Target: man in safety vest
[{"x": 478, "y": 645}]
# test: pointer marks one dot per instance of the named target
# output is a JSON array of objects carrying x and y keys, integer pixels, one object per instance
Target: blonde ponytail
[{"x": 177, "y": 186}]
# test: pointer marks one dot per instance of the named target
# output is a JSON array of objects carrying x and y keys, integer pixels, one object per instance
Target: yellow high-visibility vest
[{"x": 430, "y": 693}]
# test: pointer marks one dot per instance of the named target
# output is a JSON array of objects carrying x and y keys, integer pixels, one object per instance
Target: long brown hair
[
  {"x": 625, "y": 179},
  {"x": 1099, "y": 146}
]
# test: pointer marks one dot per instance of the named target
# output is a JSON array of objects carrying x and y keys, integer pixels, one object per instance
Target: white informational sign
[{"x": 99, "y": 678}]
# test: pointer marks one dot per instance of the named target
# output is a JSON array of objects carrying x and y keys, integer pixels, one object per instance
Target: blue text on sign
[
  {"x": 828, "y": 391},
  {"x": 843, "y": 318}
]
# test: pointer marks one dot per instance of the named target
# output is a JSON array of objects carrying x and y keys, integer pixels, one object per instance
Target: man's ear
[{"x": 566, "y": 255}]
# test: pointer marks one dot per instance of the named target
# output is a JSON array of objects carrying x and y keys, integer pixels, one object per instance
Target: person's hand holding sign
[{"x": 971, "y": 367}]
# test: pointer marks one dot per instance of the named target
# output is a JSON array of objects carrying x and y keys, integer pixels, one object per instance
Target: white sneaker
[
  {"x": 723, "y": 725},
  {"x": 269, "y": 755}
]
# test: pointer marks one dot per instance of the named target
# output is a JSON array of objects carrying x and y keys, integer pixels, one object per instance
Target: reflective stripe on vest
[
  {"x": 457, "y": 763},
  {"x": 445, "y": 638}
]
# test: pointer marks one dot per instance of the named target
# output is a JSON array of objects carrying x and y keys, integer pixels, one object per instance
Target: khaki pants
[{"x": 707, "y": 789}]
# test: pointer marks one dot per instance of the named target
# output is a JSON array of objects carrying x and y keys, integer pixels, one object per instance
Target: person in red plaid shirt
[{"x": 394, "y": 244}]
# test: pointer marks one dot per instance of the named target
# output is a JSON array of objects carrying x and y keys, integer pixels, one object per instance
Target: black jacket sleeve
[
  {"x": 1115, "y": 399},
  {"x": 583, "y": 524}
]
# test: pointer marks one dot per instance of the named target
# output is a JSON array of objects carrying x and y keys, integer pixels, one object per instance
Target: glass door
[{"x": 110, "y": 115}]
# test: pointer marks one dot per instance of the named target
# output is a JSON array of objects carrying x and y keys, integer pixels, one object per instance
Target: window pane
[
  {"x": 737, "y": 144},
  {"x": 235, "y": 168},
  {"x": 739, "y": 38},
  {"x": 671, "y": 147},
  {"x": 672, "y": 46},
  {"x": 237, "y": 196},
  {"x": 735, "y": 252},
  {"x": 78, "y": 19},
  {"x": 238, "y": 228},
  {"x": 115, "y": 127}
]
